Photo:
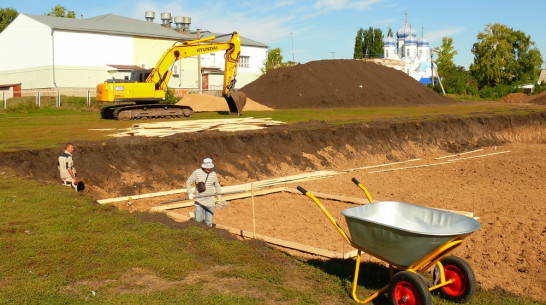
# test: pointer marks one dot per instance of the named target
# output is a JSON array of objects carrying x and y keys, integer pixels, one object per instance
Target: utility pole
[
  {"x": 199, "y": 85},
  {"x": 292, "y": 38},
  {"x": 432, "y": 68},
  {"x": 437, "y": 74},
  {"x": 333, "y": 53}
]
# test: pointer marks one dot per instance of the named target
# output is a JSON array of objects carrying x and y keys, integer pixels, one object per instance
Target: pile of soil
[
  {"x": 539, "y": 99},
  {"x": 339, "y": 83},
  {"x": 203, "y": 103},
  {"x": 515, "y": 98}
]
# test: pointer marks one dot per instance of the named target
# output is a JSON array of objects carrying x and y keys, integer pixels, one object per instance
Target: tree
[
  {"x": 445, "y": 54},
  {"x": 457, "y": 80},
  {"x": 377, "y": 44},
  {"x": 368, "y": 43},
  {"x": 504, "y": 56},
  {"x": 273, "y": 61},
  {"x": 359, "y": 46},
  {"x": 7, "y": 15},
  {"x": 60, "y": 11}
]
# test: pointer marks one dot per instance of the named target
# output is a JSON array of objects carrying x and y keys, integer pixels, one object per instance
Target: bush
[
  {"x": 496, "y": 92},
  {"x": 170, "y": 98}
]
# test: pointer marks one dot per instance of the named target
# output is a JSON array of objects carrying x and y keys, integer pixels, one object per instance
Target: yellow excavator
[{"x": 140, "y": 96}]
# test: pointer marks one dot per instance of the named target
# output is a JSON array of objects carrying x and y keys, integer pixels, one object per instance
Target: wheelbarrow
[{"x": 412, "y": 239}]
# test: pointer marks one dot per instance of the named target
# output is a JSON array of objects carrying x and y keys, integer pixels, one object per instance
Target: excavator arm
[
  {"x": 152, "y": 90},
  {"x": 162, "y": 72}
]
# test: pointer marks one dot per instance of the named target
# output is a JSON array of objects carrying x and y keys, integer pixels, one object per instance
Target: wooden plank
[
  {"x": 464, "y": 213},
  {"x": 456, "y": 155},
  {"x": 187, "y": 203},
  {"x": 286, "y": 244},
  {"x": 271, "y": 240},
  {"x": 331, "y": 197},
  {"x": 408, "y": 167},
  {"x": 381, "y": 165},
  {"x": 480, "y": 156},
  {"x": 241, "y": 187},
  {"x": 135, "y": 197}
]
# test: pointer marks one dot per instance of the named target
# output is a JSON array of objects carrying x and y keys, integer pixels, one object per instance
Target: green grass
[
  {"x": 50, "y": 127},
  {"x": 60, "y": 247}
]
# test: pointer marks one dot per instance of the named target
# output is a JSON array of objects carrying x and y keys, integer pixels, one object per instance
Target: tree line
[
  {"x": 7, "y": 15},
  {"x": 504, "y": 58}
]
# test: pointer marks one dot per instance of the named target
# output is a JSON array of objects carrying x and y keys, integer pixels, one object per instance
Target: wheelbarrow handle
[
  {"x": 302, "y": 190},
  {"x": 363, "y": 188}
]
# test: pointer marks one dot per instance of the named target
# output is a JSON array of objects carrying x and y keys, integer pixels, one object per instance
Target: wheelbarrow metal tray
[{"x": 402, "y": 233}]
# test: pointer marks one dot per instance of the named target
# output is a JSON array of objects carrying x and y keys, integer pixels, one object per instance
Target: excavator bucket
[{"x": 236, "y": 101}]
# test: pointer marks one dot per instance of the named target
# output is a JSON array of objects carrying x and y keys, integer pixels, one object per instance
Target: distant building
[
  {"x": 409, "y": 53},
  {"x": 542, "y": 77},
  {"x": 42, "y": 52}
]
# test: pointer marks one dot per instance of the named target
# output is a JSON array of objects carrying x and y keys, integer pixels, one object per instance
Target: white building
[
  {"x": 411, "y": 54},
  {"x": 43, "y": 52}
]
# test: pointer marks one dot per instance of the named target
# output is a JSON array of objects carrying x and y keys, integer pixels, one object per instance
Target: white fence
[
  {"x": 13, "y": 97},
  {"x": 41, "y": 95}
]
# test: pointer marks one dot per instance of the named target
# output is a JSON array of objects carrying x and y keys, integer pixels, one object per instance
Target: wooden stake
[{"x": 253, "y": 210}]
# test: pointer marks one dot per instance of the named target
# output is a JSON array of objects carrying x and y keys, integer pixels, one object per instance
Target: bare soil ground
[
  {"x": 202, "y": 103},
  {"x": 504, "y": 190}
]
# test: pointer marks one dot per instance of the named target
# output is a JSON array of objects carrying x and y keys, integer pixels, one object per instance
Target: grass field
[
  {"x": 50, "y": 127},
  {"x": 59, "y": 247}
]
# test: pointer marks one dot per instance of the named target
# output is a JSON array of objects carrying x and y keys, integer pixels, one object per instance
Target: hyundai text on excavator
[{"x": 140, "y": 97}]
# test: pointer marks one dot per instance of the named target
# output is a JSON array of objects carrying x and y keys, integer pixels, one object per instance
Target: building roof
[{"x": 120, "y": 25}]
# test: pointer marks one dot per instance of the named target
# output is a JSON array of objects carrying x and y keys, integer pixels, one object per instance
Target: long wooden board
[
  {"x": 331, "y": 197},
  {"x": 187, "y": 203},
  {"x": 274, "y": 241}
]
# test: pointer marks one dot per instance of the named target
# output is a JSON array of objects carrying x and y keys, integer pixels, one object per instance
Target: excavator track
[{"x": 145, "y": 111}]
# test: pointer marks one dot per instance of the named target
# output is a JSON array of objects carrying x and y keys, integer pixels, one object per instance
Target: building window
[
  {"x": 386, "y": 53},
  {"x": 244, "y": 61}
]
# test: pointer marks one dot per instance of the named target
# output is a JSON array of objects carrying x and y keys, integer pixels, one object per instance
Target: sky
[{"x": 311, "y": 30}]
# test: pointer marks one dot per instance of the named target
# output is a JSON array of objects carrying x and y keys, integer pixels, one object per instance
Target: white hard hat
[{"x": 207, "y": 163}]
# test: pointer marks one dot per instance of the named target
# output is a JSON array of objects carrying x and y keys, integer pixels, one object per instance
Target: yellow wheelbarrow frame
[{"x": 419, "y": 267}]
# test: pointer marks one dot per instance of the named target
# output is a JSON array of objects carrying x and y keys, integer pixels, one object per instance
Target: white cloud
[
  {"x": 345, "y": 4},
  {"x": 386, "y": 21},
  {"x": 447, "y": 32}
]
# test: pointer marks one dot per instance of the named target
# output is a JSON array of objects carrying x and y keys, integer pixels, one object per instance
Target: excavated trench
[{"x": 128, "y": 166}]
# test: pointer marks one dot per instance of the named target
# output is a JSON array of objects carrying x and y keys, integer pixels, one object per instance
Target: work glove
[
  {"x": 220, "y": 205},
  {"x": 190, "y": 196}
]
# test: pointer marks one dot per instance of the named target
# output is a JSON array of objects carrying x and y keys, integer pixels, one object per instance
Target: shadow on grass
[{"x": 372, "y": 276}]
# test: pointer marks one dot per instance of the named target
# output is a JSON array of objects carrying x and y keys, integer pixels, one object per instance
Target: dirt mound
[
  {"x": 539, "y": 99},
  {"x": 515, "y": 98},
  {"x": 339, "y": 83},
  {"x": 202, "y": 103}
]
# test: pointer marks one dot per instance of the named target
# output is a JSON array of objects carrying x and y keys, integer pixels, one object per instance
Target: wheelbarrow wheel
[
  {"x": 464, "y": 281},
  {"x": 409, "y": 289}
]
